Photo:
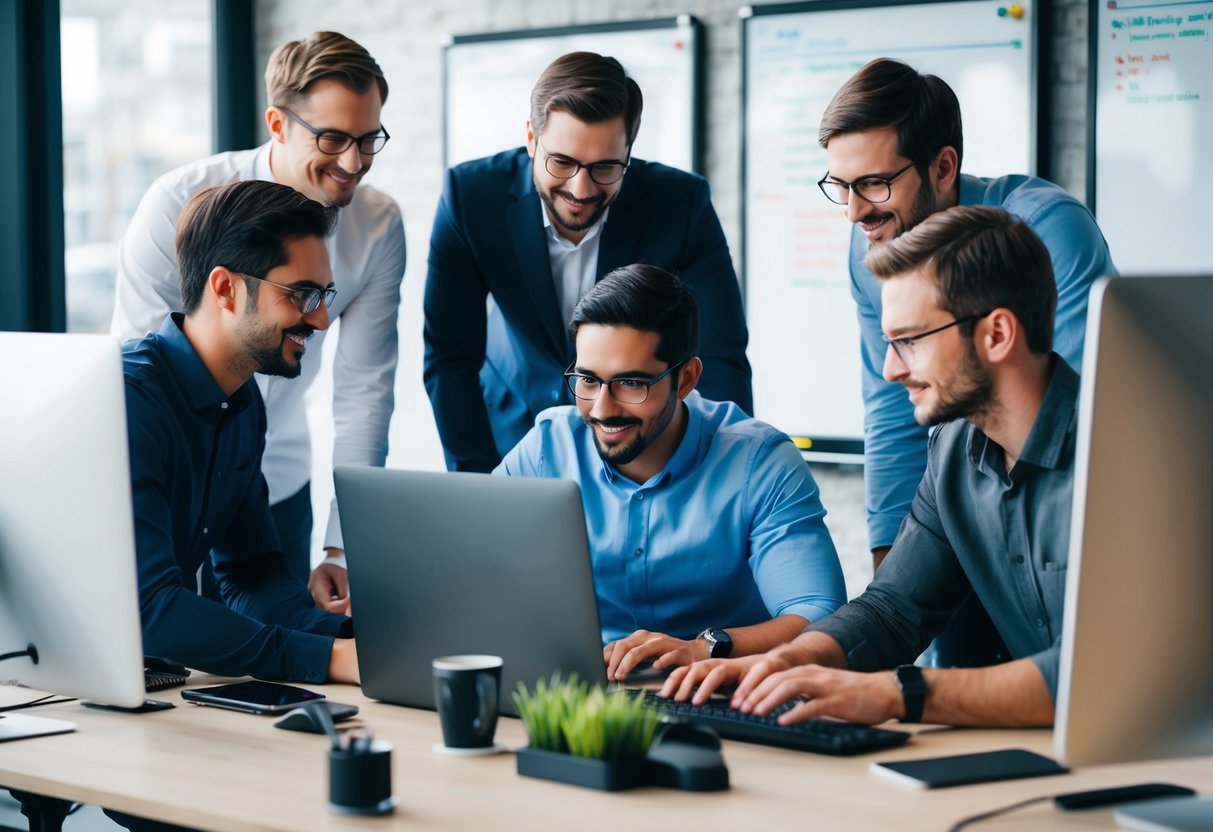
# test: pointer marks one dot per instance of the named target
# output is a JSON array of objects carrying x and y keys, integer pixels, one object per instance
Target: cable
[
  {"x": 49, "y": 699},
  {"x": 993, "y": 813}
]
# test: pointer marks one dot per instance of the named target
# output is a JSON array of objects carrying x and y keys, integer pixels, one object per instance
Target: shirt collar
[
  {"x": 1051, "y": 431},
  {"x": 261, "y": 163},
  {"x": 593, "y": 231},
  {"x": 201, "y": 390}
]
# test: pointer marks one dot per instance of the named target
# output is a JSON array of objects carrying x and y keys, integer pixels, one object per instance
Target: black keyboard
[{"x": 821, "y": 736}]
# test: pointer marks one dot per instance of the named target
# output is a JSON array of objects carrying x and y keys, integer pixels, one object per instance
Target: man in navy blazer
[{"x": 535, "y": 228}]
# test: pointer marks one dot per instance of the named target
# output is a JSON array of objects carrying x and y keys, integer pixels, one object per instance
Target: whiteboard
[
  {"x": 488, "y": 80},
  {"x": 1152, "y": 177},
  {"x": 804, "y": 338}
]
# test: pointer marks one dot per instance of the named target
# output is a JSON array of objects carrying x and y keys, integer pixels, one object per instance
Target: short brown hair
[
  {"x": 296, "y": 65},
  {"x": 980, "y": 259},
  {"x": 589, "y": 87},
  {"x": 888, "y": 93}
]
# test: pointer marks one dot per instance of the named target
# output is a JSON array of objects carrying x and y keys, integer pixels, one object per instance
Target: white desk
[{"x": 233, "y": 772}]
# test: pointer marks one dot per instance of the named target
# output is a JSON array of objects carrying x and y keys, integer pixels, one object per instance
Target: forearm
[
  {"x": 811, "y": 648},
  {"x": 1012, "y": 695},
  {"x": 759, "y": 638}
]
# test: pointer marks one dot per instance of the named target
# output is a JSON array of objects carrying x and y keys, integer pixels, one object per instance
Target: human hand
[
  {"x": 330, "y": 586},
  {"x": 869, "y": 698},
  {"x": 343, "y": 662},
  {"x": 703, "y": 678},
  {"x": 623, "y": 655}
]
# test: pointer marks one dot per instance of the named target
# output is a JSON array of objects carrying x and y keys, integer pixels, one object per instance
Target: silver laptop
[{"x": 449, "y": 563}]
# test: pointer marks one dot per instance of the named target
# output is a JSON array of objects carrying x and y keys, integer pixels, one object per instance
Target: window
[{"x": 136, "y": 104}]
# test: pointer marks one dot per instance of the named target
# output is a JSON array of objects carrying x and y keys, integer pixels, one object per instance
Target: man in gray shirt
[{"x": 968, "y": 305}]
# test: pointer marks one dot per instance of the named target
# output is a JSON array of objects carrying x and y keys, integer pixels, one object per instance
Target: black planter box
[{"x": 604, "y": 775}]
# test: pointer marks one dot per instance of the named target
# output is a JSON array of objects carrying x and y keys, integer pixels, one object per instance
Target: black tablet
[{"x": 254, "y": 697}]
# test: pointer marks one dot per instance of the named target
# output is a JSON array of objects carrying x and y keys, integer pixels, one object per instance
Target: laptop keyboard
[{"x": 821, "y": 736}]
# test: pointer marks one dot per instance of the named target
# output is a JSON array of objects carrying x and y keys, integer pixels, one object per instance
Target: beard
[
  {"x": 623, "y": 454},
  {"x": 264, "y": 349},
  {"x": 600, "y": 202},
  {"x": 925, "y": 204},
  {"x": 967, "y": 394}
]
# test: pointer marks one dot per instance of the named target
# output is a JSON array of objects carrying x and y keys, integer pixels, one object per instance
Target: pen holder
[{"x": 360, "y": 779}]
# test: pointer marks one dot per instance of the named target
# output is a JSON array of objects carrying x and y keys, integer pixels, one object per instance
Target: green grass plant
[{"x": 570, "y": 717}]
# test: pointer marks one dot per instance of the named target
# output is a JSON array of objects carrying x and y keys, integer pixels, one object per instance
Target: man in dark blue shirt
[{"x": 255, "y": 284}]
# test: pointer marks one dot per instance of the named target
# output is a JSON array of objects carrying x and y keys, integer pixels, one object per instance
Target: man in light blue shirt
[
  {"x": 705, "y": 526},
  {"x": 894, "y": 146}
]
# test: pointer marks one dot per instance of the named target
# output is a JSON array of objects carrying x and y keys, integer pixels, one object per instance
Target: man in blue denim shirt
[
  {"x": 969, "y": 301},
  {"x": 255, "y": 283},
  {"x": 705, "y": 526}
]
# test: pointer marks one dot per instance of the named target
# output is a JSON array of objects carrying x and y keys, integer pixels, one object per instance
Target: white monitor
[
  {"x": 1137, "y": 646},
  {"x": 67, "y": 542}
]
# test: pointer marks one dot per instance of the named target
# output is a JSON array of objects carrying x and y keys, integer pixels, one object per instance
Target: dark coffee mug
[
  {"x": 360, "y": 778},
  {"x": 466, "y": 691}
]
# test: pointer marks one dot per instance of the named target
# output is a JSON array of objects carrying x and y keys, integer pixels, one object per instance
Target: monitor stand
[{"x": 21, "y": 726}]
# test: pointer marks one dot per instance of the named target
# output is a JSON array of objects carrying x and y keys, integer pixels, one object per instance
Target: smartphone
[{"x": 254, "y": 697}]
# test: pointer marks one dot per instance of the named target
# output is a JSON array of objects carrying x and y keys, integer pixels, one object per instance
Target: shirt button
[
  {"x": 1040, "y": 622},
  {"x": 640, "y": 496},
  {"x": 206, "y": 531},
  {"x": 1019, "y": 558},
  {"x": 223, "y": 405},
  {"x": 638, "y": 552}
]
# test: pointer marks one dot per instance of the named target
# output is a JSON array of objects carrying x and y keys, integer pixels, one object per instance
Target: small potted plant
[{"x": 585, "y": 736}]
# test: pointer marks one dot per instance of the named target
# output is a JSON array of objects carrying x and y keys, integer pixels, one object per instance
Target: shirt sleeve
[
  {"x": 526, "y": 458},
  {"x": 723, "y": 334},
  {"x": 791, "y": 554},
  {"x": 364, "y": 365},
  {"x": 455, "y": 341},
  {"x": 148, "y": 285},
  {"x": 913, "y": 596},
  {"x": 894, "y": 445},
  {"x": 180, "y": 625}
]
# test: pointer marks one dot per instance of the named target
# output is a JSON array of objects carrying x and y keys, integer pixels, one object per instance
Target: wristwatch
[
  {"x": 913, "y": 691},
  {"x": 720, "y": 643}
]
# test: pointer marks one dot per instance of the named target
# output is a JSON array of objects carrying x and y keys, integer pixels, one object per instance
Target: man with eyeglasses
[
  {"x": 894, "y": 146},
  {"x": 534, "y": 228},
  {"x": 705, "y": 526},
  {"x": 969, "y": 302},
  {"x": 255, "y": 287},
  {"x": 325, "y": 94}
]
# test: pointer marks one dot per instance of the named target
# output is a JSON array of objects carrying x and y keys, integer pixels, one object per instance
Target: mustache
[
  {"x": 871, "y": 218},
  {"x": 612, "y": 422},
  {"x": 588, "y": 201}
]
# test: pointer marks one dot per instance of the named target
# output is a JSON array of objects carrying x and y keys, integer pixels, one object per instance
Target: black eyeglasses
[
  {"x": 562, "y": 167},
  {"x": 334, "y": 142},
  {"x": 307, "y": 299},
  {"x": 904, "y": 347},
  {"x": 622, "y": 389},
  {"x": 874, "y": 189}
]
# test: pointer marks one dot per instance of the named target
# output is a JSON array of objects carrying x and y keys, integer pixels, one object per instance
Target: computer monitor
[
  {"x": 1137, "y": 645},
  {"x": 67, "y": 546}
]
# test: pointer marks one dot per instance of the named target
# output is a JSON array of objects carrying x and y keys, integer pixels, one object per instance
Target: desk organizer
[{"x": 682, "y": 757}]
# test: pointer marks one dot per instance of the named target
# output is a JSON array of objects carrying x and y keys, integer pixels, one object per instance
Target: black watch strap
[
  {"x": 913, "y": 691},
  {"x": 720, "y": 643}
]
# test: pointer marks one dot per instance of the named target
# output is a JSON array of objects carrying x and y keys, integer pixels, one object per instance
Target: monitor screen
[
  {"x": 67, "y": 549},
  {"x": 1137, "y": 646}
]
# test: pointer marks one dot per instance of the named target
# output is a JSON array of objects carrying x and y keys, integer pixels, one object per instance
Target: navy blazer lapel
[
  {"x": 534, "y": 265},
  {"x": 623, "y": 225}
]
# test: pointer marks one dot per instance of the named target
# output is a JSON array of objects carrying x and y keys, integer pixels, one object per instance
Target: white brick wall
[{"x": 406, "y": 37}]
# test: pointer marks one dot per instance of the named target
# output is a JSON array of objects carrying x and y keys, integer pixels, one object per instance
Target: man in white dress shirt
[{"x": 324, "y": 95}]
